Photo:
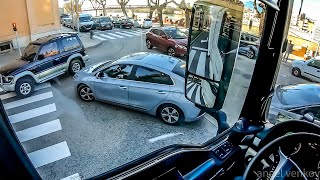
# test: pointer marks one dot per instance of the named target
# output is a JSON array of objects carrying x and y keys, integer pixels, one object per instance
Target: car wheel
[
  {"x": 85, "y": 93},
  {"x": 149, "y": 45},
  {"x": 296, "y": 72},
  {"x": 24, "y": 87},
  {"x": 170, "y": 114},
  {"x": 75, "y": 66},
  {"x": 171, "y": 51},
  {"x": 250, "y": 54}
]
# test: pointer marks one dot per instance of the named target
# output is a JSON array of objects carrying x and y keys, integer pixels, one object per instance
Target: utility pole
[{"x": 72, "y": 13}]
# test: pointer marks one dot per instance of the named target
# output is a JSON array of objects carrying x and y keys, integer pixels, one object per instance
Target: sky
[{"x": 310, "y": 7}]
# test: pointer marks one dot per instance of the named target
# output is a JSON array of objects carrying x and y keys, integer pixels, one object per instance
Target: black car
[
  {"x": 123, "y": 23},
  {"x": 102, "y": 23},
  {"x": 42, "y": 60}
]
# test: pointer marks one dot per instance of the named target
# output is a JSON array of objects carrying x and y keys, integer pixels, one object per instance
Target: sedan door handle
[
  {"x": 122, "y": 87},
  {"x": 161, "y": 92}
]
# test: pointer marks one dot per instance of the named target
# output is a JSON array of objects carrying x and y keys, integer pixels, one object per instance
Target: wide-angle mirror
[{"x": 213, "y": 45}]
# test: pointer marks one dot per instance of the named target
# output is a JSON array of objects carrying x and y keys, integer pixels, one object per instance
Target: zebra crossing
[
  {"x": 201, "y": 91},
  {"x": 114, "y": 35},
  {"x": 34, "y": 119}
]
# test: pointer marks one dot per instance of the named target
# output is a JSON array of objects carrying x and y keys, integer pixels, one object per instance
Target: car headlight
[
  {"x": 7, "y": 79},
  {"x": 180, "y": 47}
]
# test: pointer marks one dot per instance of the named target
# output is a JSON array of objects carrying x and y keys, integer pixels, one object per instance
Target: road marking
[
  {"x": 133, "y": 33},
  {"x": 13, "y": 94},
  {"x": 201, "y": 63},
  {"x": 192, "y": 53},
  {"x": 124, "y": 34},
  {"x": 28, "y": 100},
  {"x": 152, "y": 140},
  {"x": 197, "y": 98},
  {"x": 199, "y": 48},
  {"x": 73, "y": 177},
  {"x": 49, "y": 154},
  {"x": 191, "y": 90},
  {"x": 39, "y": 130},
  {"x": 32, "y": 113},
  {"x": 106, "y": 36},
  {"x": 1, "y": 90},
  {"x": 97, "y": 37},
  {"x": 116, "y": 35}
]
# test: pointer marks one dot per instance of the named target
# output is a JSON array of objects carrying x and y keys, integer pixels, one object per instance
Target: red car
[{"x": 167, "y": 39}]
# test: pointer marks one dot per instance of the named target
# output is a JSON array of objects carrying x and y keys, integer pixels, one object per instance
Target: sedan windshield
[
  {"x": 105, "y": 19},
  {"x": 30, "y": 52},
  {"x": 175, "y": 34},
  {"x": 85, "y": 19}
]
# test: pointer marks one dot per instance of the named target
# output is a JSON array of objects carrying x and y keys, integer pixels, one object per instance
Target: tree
[
  {"x": 123, "y": 4},
  {"x": 159, "y": 7},
  {"x": 186, "y": 7},
  {"x": 103, "y": 4},
  {"x": 151, "y": 9},
  {"x": 261, "y": 15},
  {"x": 67, "y": 7},
  {"x": 95, "y": 5}
]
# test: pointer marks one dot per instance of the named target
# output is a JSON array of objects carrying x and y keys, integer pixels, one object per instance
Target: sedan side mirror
[
  {"x": 99, "y": 75},
  {"x": 309, "y": 117},
  {"x": 164, "y": 36}
]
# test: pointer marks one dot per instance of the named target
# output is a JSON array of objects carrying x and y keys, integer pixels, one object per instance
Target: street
[{"x": 64, "y": 135}]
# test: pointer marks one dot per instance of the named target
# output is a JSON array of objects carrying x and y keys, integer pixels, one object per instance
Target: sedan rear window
[
  {"x": 299, "y": 95},
  {"x": 152, "y": 76},
  {"x": 180, "y": 69}
]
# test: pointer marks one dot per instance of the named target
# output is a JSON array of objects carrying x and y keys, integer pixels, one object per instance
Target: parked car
[
  {"x": 102, "y": 23},
  {"x": 249, "y": 51},
  {"x": 249, "y": 39},
  {"x": 309, "y": 69},
  {"x": 151, "y": 83},
  {"x": 123, "y": 23},
  {"x": 67, "y": 22},
  {"x": 168, "y": 39},
  {"x": 295, "y": 101},
  {"x": 42, "y": 60},
  {"x": 62, "y": 16},
  {"x": 85, "y": 22},
  {"x": 144, "y": 23}
]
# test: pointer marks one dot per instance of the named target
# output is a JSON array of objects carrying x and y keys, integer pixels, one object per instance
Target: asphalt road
[{"x": 64, "y": 136}]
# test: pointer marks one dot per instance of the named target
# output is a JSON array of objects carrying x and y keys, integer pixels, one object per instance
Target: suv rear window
[
  {"x": 180, "y": 69},
  {"x": 70, "y": 43}
]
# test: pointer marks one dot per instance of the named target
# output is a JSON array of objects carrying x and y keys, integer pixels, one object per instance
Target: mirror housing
[
  {"x": 164, "y": 36},
  {"x": 309, "y": 117},
  {"x": 40, "y": 57},
  {"x": 99, "y": 75}
]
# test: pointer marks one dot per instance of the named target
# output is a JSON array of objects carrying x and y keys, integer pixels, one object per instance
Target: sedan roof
[{"x": 158, "y": 60}]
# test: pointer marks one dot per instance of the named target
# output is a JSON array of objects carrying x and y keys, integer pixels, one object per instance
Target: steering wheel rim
[{"x": 274, "y": 145}]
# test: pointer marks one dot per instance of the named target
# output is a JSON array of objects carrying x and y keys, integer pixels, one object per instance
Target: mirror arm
[{"x": 219, "y": 116}]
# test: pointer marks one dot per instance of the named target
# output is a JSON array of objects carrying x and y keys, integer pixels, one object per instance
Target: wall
[{"x": 34, "y": 19}]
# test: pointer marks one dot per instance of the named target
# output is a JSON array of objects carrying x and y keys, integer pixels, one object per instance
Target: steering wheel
[{"x": 283, "y": 166}]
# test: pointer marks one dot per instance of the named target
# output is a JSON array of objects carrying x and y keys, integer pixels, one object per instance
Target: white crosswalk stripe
[
  {"x": 49, "y": 154},
  {"x": 100, "y": 38},
  {"x": 25, "y": 115},
  {"x": 124, "y": 34},
  {"x": 39, "y": 130},
  {"x": 28, "y": 100},
  {"x": 132, "y": 32},
  {"x": 116, "y": 35},
  {"x": 106, "y": 36}
]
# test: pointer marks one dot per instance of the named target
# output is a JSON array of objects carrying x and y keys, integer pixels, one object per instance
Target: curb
[{"x": 94, "y": 46}]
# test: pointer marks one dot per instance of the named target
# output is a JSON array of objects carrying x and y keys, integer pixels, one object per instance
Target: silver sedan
[{"x": 152, "y": 83}]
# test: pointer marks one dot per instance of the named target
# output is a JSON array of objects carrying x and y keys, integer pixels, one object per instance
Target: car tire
[
  {"x": 74, "y": 66},
  {"x": 170, "y": 114},
  {"x": 85, "y": 93},
  {"x": 24, "y": 87},
  {"x": 250, "y": 54},
  {"x": 171, "y": 51},
  {"x": 296, "y": 72},
  {"x": 149, "y": 44}
]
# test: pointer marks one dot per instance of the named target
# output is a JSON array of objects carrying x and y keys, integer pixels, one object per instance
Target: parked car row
[{"x": 87, "y": 22}]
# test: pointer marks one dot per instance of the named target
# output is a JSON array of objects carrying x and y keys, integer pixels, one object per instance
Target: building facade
[{"x": 34, "y": 19}]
